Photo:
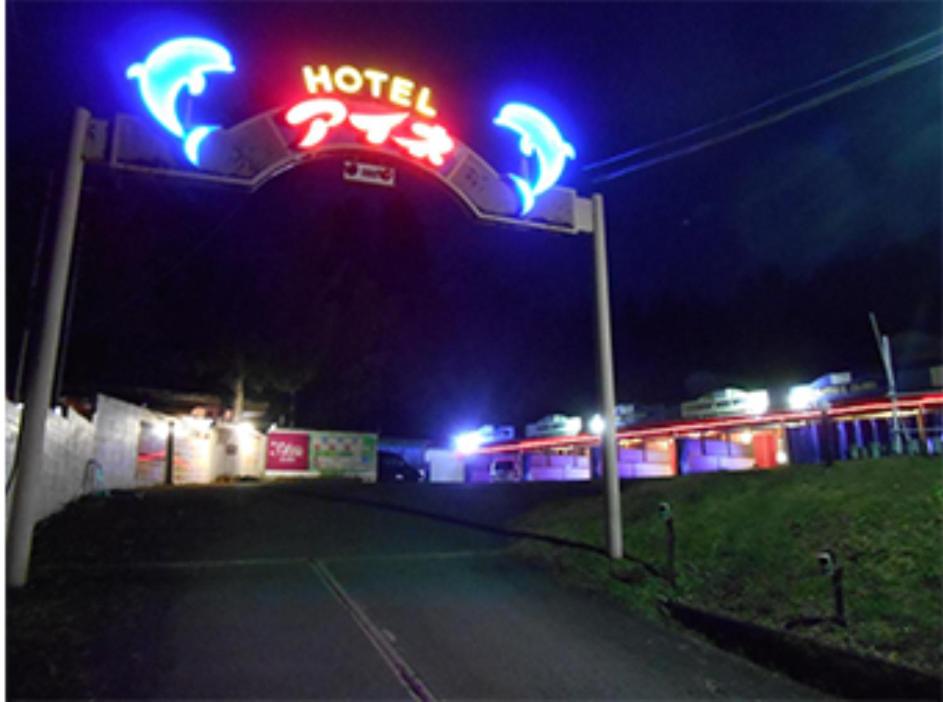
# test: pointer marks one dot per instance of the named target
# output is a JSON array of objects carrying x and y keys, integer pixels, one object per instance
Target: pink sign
[{"x": 287, "y": 451}]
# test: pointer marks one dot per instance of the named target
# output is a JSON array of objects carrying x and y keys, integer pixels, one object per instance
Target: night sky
[{"x": 753, "y": 262}]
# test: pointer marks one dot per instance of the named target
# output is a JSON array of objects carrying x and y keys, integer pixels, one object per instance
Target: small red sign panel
[{"x": 287, "y": 451}]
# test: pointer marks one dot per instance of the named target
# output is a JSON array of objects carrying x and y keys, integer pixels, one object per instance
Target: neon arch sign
[
  {"x": 378, "y": 108},
  {"x": 408, "y": 125}
]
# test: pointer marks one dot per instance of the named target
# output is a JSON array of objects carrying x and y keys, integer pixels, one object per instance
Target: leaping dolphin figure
[
  {"x": 174, "y": 65},
  {"x": 540, "y": 137}
]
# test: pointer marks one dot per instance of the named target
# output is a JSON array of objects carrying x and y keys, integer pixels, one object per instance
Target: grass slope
[{"x": 746, "y": 544}]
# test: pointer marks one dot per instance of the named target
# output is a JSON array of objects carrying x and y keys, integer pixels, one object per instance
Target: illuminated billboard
[
  {"x": 363, "y": 106},
  {"x": 340, "y": 454}
]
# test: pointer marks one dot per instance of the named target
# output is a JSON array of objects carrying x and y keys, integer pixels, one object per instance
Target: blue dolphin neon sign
[
  {"x": 541, "y": 138},
  {"x": 173, "y": 66}
]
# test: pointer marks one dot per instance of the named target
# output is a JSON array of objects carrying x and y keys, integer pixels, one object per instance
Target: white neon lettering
[
  {"x": 321, "y": 78},
  {"x": 401, "y": 91},
  {"x": 422, "y": 103},
  {"x": 433, "y": 143},
  {"x": 376, "y": 79},
  {"x": 348, "y": 79},
  {"x": 316, "y": 110}
]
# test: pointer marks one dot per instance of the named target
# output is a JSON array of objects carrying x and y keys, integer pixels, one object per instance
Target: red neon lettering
[
  {"x": 316, "y": 110},
  {"x": 433, "y": 143},
  {"x": 377, "y": 127}
]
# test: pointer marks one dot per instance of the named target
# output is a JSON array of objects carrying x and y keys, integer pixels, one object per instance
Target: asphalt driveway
[{"x": 333, "y": 591}]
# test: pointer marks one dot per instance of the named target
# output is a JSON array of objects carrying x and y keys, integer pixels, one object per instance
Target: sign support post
[
  {"x": 607, "y": 383},
  {"x": 29, "y": 455}
]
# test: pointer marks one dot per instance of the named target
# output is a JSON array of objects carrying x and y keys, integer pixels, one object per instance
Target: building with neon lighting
[{"x": 847, "y": 426}]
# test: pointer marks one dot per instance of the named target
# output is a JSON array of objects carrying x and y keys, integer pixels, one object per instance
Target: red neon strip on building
[{"x": 673, "y": 429}]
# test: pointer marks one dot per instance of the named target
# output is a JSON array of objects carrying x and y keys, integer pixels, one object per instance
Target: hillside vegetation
[{"x": 747, "y": 545}]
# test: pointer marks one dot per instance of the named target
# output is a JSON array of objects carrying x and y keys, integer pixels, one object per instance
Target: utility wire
[
  {"x": 870, "y": 79},
  {"x": 766, "y": 103}
]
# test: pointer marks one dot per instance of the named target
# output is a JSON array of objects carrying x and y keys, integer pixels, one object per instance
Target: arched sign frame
[
  {"x": 257, "y": 150},
  {"x": 249, "y": 155}
]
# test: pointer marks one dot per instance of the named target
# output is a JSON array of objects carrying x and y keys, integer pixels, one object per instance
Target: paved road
[{"x": 313, "y": 591}]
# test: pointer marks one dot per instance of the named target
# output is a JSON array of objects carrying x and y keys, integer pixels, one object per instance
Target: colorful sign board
[
  {"x": 322, "y": 453},
  {"x": 341, "y": 453},
  {"x": 287, "y": 450},
  {"x": 350, "y": 105}
]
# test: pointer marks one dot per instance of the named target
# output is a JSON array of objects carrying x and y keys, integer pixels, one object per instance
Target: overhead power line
[{"x": 875, "y": 76}]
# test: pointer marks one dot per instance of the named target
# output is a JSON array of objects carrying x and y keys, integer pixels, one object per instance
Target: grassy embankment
[{"x": 746, "y": 545}]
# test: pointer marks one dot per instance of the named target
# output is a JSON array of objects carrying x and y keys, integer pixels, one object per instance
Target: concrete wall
[
  {"x": 68, "y": 449},
  {"x": 117, "y": 435},
  {"x": 237, "y": 453},
  {"x": 130, "y": 445}
]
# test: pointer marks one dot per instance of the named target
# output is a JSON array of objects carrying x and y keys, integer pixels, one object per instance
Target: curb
[{"x": 832, "y": 670}]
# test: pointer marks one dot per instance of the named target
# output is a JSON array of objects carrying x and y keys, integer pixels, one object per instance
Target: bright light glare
[
  {"x": 781, "y": 457},
  {"x": 803, "y": 397},
  {"x": 745, "y": 437},
  {"x": 573, "y": 426},
  {"x": 468, "y": 442},
  {"x": 245, "y": 428},
  {"x": 200, "y": 424},
  {"x": 163, "y": 429},
  {"x": 757, "y": 402},
  {"x": 597, "y": 425}
]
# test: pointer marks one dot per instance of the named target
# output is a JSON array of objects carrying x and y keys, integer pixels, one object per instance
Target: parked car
[
  {"x": 391, "y": 468},
  {"x": 504, "y": 471}
]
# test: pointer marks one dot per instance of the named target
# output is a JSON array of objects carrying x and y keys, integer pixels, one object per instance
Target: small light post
[{"x": 828, "y": 562}]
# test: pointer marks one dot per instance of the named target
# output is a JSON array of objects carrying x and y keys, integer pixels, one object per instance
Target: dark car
[{"x": 392, "y": 468}]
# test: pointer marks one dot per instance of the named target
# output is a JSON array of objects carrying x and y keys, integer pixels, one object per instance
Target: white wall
[
  {"x": 117, "y": 432},
  {"x": 113, "y": 439},
  {"x": 445, "y": 466},
  {"x": 66, "y": 455}
]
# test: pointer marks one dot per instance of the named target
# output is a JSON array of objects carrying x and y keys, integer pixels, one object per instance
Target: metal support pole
[
  {"x": 607, "y": 384},
  {"x": 29, "y": 455},
  {"x": 897, "y": 444},
  {"x": 884, "y": 351},
  {"x": 169, "y": 455}
]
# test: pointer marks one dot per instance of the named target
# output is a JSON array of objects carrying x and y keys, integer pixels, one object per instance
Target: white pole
[
  {"x": 884, "y": 350},
  {"x": 607, "y": 383},
  {"x": 29, "y": 455},
  {"x": 897, "y": 446}
]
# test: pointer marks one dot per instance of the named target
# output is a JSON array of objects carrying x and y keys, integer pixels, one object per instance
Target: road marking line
[
  {"x": 401, "y": 669},
  {"x": 242, "y": 562},
  {"x": 417, "y": 556}
]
